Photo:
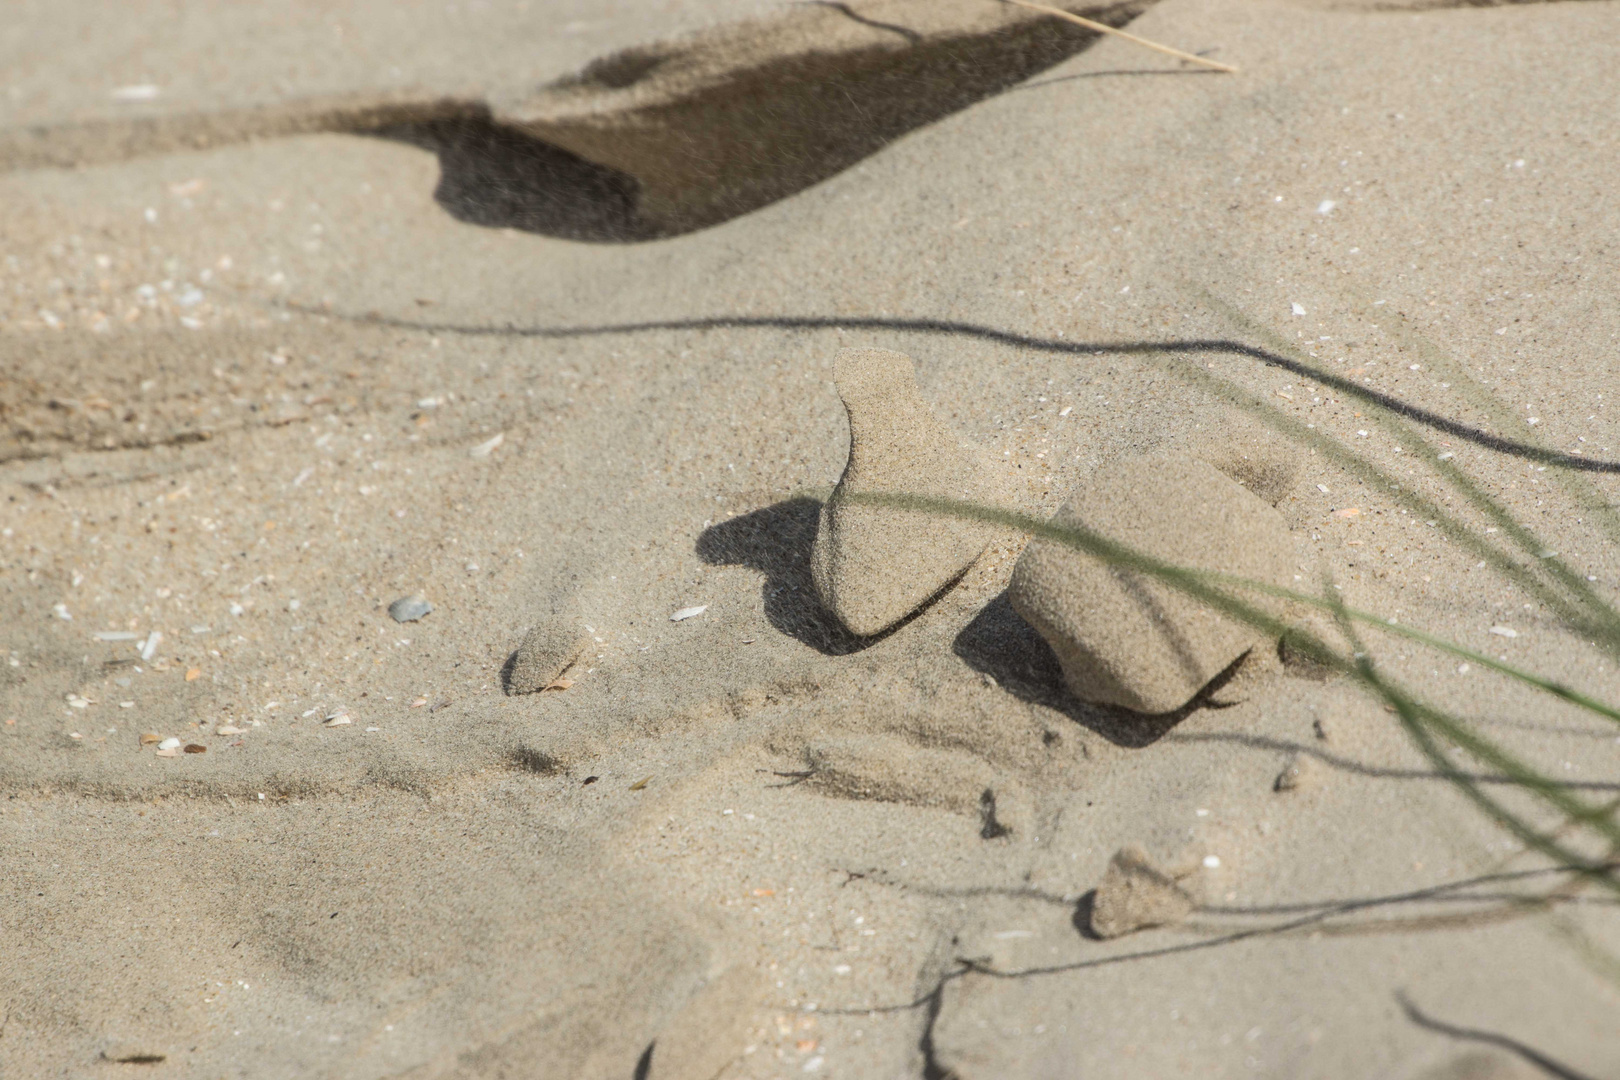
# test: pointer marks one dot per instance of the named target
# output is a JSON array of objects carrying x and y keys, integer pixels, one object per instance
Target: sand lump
[
  {"x": 874, "y": 565},
  {"x": 1135, "y": 894},
  {"x": 1124, "y": 638},
  {"x": 547, "y": 651}
]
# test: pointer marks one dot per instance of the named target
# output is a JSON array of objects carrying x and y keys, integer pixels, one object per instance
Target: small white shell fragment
[
  {"x": 688, "y": 613},
  {"x": 1504, "y": 631},
  {"x": 173, "y": 751},
  {"x": 230, "y": 729},
  {"x": 115, "y": 635},
  {"x": 137, "y": 92},
  {"x": 149, "y": 648},
  {"x": 78, "y": 702},
  {"x": 171, "y": 743},
  {"x": 1299, "y": 309},
  {"x": 337, "y": 719},
  {"x": 1212, "y": 861},
  {"x": 487, "y": 447},
  {"x": 61, "y": 612},
  {"x": 1325, "y": 206}
]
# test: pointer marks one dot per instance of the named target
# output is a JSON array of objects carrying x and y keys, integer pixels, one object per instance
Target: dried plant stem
[{"x": 1104, "y": 28}]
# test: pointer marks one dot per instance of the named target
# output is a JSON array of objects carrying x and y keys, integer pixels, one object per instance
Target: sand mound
[
  {"x": 874, "y": 565},
  {"x": 1126, "y": 639},
  {"x": 547, "y": 651},
  {"x": 1136, "y": 894}
]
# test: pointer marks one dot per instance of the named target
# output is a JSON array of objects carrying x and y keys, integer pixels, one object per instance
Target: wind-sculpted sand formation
[
  {"x": 731, "y": 540},
  {"x": 874, "y": 564}
]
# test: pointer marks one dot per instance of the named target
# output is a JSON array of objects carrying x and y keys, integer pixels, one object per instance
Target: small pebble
[
  {"x": 409, "y": 608},
  {"x": 1136, "y": 894},
  {"x": 1300, "y": 772},
  {"x": 196, "y": 748},
  {"x": 171, "y": 743}
]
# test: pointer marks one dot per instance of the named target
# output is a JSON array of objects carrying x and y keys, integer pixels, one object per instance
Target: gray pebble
[{"x": 409, "y": 608}]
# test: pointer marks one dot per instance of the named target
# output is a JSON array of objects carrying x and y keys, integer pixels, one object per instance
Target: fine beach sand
[{"x": 261, "y": 376}]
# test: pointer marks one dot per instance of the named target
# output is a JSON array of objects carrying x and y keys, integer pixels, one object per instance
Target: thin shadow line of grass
[
  {"x": 1446, "y": 892},
  {"x": 1344, "y": 764},
  {"x": 1422, "y": 722},
  {"x": 1535, "y": 1057},
  {"x": 1583, "y": 610},
  {"x": 951, "y": 327},
  {"x": 1480, "y": 396}
]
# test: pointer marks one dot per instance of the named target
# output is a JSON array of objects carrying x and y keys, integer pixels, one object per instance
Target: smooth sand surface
[{"x": 251, "y": 396}]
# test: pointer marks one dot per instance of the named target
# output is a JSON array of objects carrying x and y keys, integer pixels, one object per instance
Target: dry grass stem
[{"x": 1103, "y": 28}]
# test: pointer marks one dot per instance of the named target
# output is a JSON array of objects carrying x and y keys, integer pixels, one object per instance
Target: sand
[{"x": 243, "y": 389}]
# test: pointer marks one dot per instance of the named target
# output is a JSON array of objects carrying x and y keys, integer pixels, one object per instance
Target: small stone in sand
[
  {"x": 1300, "y": 772},
  {"x": 1123, "y": 637},
  {"x": 1136, "y": 894},
  {"x": 547, "y": 651},
  {"x": 171, "y": 743},
  {"x": 874, "y": 565},
  {"x": 196, "y": 748},
  {"x": 409, "y": 608}
]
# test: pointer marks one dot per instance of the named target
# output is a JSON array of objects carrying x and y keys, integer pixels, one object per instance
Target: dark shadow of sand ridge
[
  {"x": 1000, "y": 644},
  {"x": 776, "y": 540}
]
